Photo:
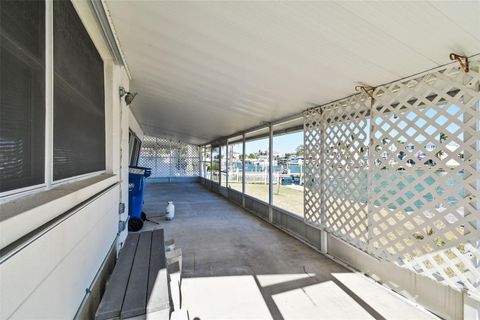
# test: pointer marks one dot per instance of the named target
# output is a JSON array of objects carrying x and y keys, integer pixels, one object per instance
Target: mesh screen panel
[
  {"x": 22, "y": 94},
  {"x": 79, "y": 103},
  {"x": 169, "y": 158}
]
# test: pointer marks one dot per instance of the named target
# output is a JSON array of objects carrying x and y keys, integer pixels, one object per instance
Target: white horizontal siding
[{"x": 48, "y": 278}]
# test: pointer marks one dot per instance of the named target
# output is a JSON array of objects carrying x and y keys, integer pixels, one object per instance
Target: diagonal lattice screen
[
  {"x": 169, "y": 158},
  {"x": 312, "y": 140},
  {"x": 337, "y": 137},
  {"x": 425, "y": 166},
  {"x": 400, "y": 178}
]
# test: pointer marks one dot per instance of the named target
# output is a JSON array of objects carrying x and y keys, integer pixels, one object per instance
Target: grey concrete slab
[{"x": 237, "y": 266}]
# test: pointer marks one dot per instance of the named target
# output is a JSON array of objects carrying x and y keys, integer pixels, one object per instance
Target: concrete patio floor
[{"x": 236, "y": 266}]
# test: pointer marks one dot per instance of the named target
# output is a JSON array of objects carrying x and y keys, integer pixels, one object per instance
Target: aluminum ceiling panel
[{"x": 209, "y": 69}]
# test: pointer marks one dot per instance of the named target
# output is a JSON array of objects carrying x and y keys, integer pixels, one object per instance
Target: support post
[
  {"x": 202, "y": 160},
  {"x": 155, "y": 169},
  {"x": 219, "y": 166},
  {"x": 243, "y": 170},
  {"x": 211, "y": 164},
  {"x": 170, "y": 167},
  {"x": 323, "y": 241},
  {"x": 270, "y": 173},
  {"x": 226, "y": 164},
  {"x": 476, "y": 260}
]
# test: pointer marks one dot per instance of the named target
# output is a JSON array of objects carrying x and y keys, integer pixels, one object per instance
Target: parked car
[{"x": 287, "y": 180}]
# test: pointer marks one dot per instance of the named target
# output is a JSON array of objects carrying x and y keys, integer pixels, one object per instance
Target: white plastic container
[{"x": 169, "y": 211}]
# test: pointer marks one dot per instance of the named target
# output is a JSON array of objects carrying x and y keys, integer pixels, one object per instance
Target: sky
[{"x": 281, "y": 144}]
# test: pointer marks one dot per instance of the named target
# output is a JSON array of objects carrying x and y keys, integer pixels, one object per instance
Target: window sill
[{"x": 23, "y": 215}]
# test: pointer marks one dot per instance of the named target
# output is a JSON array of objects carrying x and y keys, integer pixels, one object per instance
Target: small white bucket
[{"x": 169, "y": 211}]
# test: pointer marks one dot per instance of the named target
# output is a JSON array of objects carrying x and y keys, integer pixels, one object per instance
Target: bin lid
[{"x": 136, "y": 171}]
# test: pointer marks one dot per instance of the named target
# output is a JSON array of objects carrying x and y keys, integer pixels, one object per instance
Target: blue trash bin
[
  {"x": 286, "y": 180},
  {"x": 136, "y": 183}
]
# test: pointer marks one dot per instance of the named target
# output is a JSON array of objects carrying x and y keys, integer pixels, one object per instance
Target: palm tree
[
  {"x": 300, "y": 150},
  {"x": 443, "y": 138}
]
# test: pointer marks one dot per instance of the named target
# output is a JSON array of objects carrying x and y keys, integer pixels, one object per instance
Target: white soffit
[{"x": 209, "y": 69}]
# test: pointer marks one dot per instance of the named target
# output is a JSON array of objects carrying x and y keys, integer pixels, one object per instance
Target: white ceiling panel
[
  {"x": 209, "y": 69},
  {"x": 466, "y": 15}
]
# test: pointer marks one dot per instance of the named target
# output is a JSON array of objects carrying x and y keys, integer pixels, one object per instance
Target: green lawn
[{"x": 283, "y": 197}]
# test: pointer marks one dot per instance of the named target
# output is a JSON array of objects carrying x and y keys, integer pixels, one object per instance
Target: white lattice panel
[
  {"x": 168, "y": 157},
  {"x": 336, "y": 146},
  {"x": 312, "y": 176},
  {"x": 425, "y": 178},
  {"x": 418, "y": 150}
]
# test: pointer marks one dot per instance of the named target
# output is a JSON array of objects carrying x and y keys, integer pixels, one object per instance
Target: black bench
[{"x": 138, "y": 285}]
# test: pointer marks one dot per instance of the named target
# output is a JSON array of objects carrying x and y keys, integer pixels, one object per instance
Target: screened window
[
  {"x": 223, "y": 166},
  {"x": 235, "y": 155},
  {"x": 206, "y": 162},
  {"x": 256, "y": 168},
  {"x": 185, "y": 160},
  {"x": 215, "y": 163},
  {"x": 134, "y": 147},
  {"x": 22, "y": 98},
  {"x": 79, "y": 104},
  {"x": 169, "y": 158},
  {"x": 288, "y": 172}
]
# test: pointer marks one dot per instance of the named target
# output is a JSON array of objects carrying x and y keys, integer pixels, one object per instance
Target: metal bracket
[
  {"x": 122, "y": 224},
  {"x": 122, "y": 91},
  {"x": 121, "y": 207},
  {"x": 368, "y": 91},
  {"x": 462, "y": 60}
]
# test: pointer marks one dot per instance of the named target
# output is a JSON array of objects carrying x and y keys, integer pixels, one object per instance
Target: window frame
[
  {"x": 32, "y": 188},
  {"x": 252, "y": 139},
  {"x": 215, "y": 150},
  {"x": 134, "y": 148},
  {"x": 231, "y": 148},
  {"x": 280, "y": 133},
  {"x": 48, "y": 182}
]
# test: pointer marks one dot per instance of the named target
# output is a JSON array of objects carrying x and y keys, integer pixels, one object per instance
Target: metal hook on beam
[
  {"x": 463, "y": 60},
  {"x": 368, "y": 91}
]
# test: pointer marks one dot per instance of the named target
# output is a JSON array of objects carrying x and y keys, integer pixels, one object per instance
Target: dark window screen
[
  {"x": 22, "y": 94},
  {"x": 137, "y": 144},
  {"x": 79, "y": 104}
]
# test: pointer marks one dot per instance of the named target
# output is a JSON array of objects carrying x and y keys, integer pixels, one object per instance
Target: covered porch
[
  {"x": 323, "y": 159},
  {"x": 238, "y": 266}
]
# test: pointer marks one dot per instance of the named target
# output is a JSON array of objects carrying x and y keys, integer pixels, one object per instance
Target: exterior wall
[
  {"x": 48, "y": 278},
  {"x": 53, "y": 241}
]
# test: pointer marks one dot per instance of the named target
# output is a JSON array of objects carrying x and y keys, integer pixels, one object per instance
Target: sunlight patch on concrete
[
  {"x": 385, "y": 302},
  {"x": 224, "y": 298},
  {"x": 273, "y": 279},
  {"x": 319, "y": 301}
]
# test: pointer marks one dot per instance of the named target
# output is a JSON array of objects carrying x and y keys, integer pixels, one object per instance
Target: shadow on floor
[{"x": 237, "y": 266}]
